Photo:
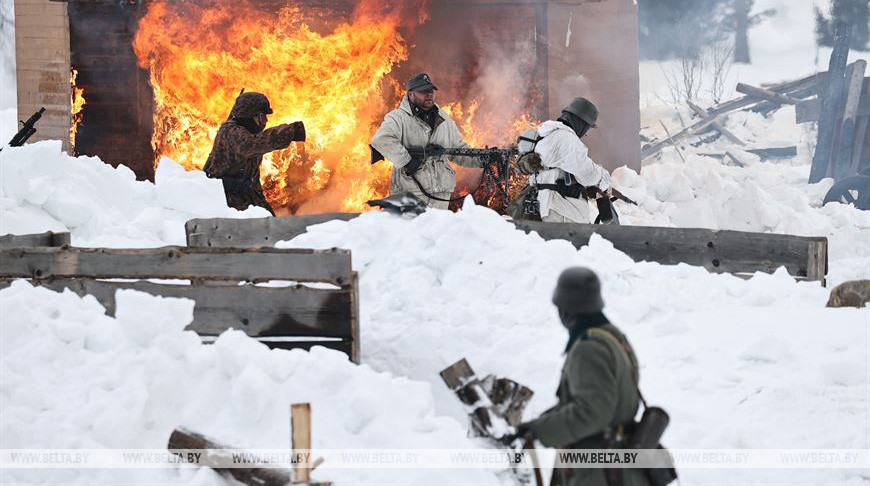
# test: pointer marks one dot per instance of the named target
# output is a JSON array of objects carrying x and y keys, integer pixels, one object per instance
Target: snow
[
  {"x": 43, "y": 189},
  {"x": 757, "y": 363}
]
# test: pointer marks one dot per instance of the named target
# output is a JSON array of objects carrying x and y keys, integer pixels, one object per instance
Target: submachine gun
[
  {"x": 496, "y": 166},
  {"x": 28, "y": 128}
]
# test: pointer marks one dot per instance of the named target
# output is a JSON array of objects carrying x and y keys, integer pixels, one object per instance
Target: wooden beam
[
  {"x": 854, "y": 85},
  {"x": 810, "y": 110},
  {"x": 718, "y": 251},
  {"x": 48, "y": 238},
  {"x": 253, "y": 232},
  {"x": 716, "y": 124},
  {"x": 721, "y": 251},
  {"x": 765, "y": 94},
  {"x": 800, "y": 85},
  {"x": 698, "y": 127},
  {"x": 265, "y": 312},
  {"x": 182, "y": 440},
  {"x": 227, "y": 264},
  {"x": 300, "y": 426},
  {"x": 832, "y": 103}
]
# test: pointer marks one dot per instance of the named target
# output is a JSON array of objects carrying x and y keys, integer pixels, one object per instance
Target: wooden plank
[
  {"x": 717, "y": 251},
  {"x": 355, "y": 355},
  {"x": 300, "y": 425},
  {"x": 171, "y": 262},
  {"x": 788, "y": 87},
  {"x": 832, "y": 104},
  {"x": 854, "y": 85},
  {"x": 810, "y": 110},
  {"x": 49, "y": 238},
  {"x": 718, "y": 126},
  {"x": 253, "y": 232},
  {"x": 862, "y": 136},
  {"x": 765, "y": 94},
  {"x": 297, "y": 311}
]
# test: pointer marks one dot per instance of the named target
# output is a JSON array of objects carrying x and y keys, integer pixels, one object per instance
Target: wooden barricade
[
  {"x": 718, "y": 251},
  {"x": 287, "y": 314}
]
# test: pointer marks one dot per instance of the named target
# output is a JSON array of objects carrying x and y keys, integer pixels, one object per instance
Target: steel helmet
[
  {"x": 578, "y": 291},
  {"x": 583, "y": 109},
  {"x": 250, "y": 104}
]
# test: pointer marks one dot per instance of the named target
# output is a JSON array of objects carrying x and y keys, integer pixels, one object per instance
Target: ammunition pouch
[{"x": 575, "y": 191}]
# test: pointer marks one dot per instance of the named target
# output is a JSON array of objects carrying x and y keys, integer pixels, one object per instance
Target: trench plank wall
[
  {"x": 42, "y": 57},
  {"x": 287, "y": 316},
  {"x": 717, "y": 251}
]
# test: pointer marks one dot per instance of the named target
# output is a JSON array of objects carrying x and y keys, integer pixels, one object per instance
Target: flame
[
  {"x": 200, "y": 54},
  {"x": 77, "y": 103}
]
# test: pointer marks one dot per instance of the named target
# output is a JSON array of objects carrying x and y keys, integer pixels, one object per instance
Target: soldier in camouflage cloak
[{"x": 240, "y": 145}]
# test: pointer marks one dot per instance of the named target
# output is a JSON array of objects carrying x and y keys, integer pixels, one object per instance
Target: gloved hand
[
  {"x": 523, "y": 431},
  {"x": 413, "y": 165},
  {"x": 298, "y": 130},
  {"x": 529, "y": 163}
]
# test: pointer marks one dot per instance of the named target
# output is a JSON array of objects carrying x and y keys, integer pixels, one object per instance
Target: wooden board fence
[
  {"x": 283, "y": 315},
  {"x": 48, "y": 238},
  {"x": 717, "y": 251}
]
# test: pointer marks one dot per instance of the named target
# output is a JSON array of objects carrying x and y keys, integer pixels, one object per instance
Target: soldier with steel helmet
[
  {"x": 239, "y": 147},
  {"x": 559, "y": 167}
]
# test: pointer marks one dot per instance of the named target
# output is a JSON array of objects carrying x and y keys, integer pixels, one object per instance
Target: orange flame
[
  {"x": 77, "y": 103},
  {"x": 200, "y": 54}
]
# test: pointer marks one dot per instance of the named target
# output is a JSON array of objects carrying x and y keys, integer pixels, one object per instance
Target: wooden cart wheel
[{"x": 854, "y": 190}]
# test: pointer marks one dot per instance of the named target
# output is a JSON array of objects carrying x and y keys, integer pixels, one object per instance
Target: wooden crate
[{"x": 223, "y": 283}]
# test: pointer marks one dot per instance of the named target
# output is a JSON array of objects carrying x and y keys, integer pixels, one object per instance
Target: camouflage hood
[{"x": 250, "y": 104}]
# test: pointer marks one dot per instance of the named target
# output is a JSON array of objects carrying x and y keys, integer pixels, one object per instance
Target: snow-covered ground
[{"x": 757, "y": 363}]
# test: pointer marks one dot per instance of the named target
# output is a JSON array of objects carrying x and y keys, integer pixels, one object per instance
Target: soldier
[
  {"x": 598, "y": 393},
  {"x": 240, "y": 145},
  {"x": 416, "y": 123},
  {"x": 560, "y": 168}
]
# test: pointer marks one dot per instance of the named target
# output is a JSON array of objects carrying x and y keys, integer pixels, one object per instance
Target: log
[
  {"x": 832, "y": 103},
  {"x": 721, "y": 251},
  {"x": 693, "y": 129},
  {"x": 718, "y": 251},
  {"x": 48, "y": 238},
  {"x": 765, "y": 94},
  {"x": 718, "y": 126},
  {"x": 182, "y": 440},
  {"x": 854, "y": 86},
  {"x": 255, "y": 232},
  {"x": 227, "y": 264}
]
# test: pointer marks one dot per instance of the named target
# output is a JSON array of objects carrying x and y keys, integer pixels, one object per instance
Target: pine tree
[{"x": 854, "y": 12}]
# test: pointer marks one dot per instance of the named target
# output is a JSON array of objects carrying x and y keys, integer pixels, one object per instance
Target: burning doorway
[{"x": 160, "y": 76}]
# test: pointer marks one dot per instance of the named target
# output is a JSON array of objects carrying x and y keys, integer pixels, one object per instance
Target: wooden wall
[{"x": 43, "y": 63}]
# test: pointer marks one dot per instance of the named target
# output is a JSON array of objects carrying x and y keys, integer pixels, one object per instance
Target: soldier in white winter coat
[
  {"x": 416, "y": 123},
  {"x": 560, "y": 167}
]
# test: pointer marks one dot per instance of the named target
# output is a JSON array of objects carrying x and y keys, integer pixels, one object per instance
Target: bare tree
[{"x": 719, "y": 61}]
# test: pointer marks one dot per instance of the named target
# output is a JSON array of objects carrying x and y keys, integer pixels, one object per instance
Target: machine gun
[
  {"x": 496, "y": 165},
  {"x": 27, "y": 130}
]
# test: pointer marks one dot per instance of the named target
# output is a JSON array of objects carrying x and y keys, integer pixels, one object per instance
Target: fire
[
  {"x": 200, "y": 54},
  {"x": 77, "y": 103}
]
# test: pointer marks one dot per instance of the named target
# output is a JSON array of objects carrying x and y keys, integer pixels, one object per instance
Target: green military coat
[{"x": 597, "y": 391}]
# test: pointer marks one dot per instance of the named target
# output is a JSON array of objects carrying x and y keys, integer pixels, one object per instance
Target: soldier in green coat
[{"x": 597, "y": 393}]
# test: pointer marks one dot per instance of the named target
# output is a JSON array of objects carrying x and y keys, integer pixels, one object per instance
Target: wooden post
[
  {"x": 300, "y": 425},
  {"x": 831, "y": 103},
  {"x": 854, "y": 85}
]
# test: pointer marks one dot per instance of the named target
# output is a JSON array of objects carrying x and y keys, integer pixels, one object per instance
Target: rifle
[
  {"x": 490, "y": 157},
  {"x": 27, "y": 130}
]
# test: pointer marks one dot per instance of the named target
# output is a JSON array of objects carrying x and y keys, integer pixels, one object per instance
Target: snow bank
[
  {"x": 738, "y": 363},
  {"x": 71, "y": 377},
  {"x": 43, "y": 189}
]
